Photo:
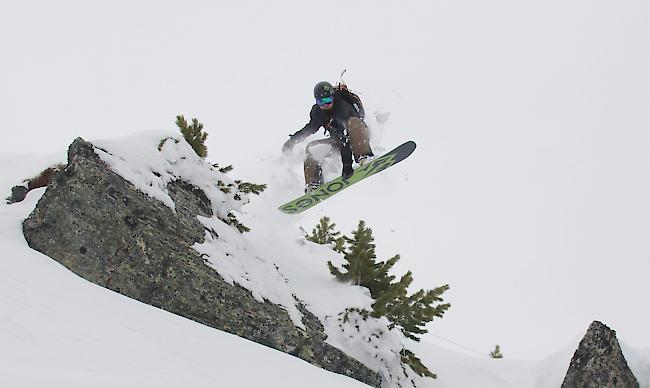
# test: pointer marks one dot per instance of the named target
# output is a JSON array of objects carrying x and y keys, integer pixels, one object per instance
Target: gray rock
[
  {"x": 599, "y": 362},
  {"x": 102, "y": 228},
  {"x": 18, "y": 193}
]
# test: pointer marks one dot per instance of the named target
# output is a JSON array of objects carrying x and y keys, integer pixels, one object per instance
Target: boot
[
  {"x": 309, "y": 187},
  {"x": 363, "y": 159}
]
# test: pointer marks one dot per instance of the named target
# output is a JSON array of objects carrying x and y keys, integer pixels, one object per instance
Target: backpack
[{"x": 352, "y": 98}]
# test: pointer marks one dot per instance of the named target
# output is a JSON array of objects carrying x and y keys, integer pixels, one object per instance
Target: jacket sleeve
[{"x": 314, "y": 124}]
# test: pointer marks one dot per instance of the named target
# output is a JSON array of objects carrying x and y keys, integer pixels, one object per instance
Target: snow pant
[{"x": 355, "y": 144}]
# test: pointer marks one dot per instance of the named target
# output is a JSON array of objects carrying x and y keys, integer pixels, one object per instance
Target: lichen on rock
[{"x": 599, "y": 362}]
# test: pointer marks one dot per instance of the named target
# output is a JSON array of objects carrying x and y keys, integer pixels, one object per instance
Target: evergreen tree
[
  {"x": 194, "y": 135},
  {"x": 324, "y": 233},
  {"x": 409, "y": 358},
  {"x": 497, "y": 352},
  {"x": 232, "y": 220},
  {"x": 196, "y": 138},
  {"x": 242, "y": 187},
  {"x": 362, "y": 268},
  {"x": 408, "y": 313}
]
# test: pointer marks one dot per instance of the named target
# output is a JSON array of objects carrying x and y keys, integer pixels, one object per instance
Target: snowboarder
[{"x": 341, "y": 113}]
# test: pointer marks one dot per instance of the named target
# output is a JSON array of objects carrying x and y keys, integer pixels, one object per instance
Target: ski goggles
[{"x": 324, "y": 100}]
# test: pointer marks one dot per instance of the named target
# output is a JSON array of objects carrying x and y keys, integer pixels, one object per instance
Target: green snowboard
[{"x": 334, "y": 186}]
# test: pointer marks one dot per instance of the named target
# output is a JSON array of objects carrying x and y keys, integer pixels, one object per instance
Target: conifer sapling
[
  {"x": 496, "y": 353},
  {"x": 408, "y": 313},
  {"x": 324, "y": 233},
  {"x": 194, "y": 135}
]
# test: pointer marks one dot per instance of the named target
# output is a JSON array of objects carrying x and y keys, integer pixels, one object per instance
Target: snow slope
[{"x": 57, "y": 329}]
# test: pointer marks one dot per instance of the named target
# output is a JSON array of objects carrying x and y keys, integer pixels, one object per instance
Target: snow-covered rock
[{"x": 148, "y": 218}]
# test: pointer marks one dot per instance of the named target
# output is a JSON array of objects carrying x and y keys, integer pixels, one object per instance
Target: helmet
[{"x": 323, "y": 89}]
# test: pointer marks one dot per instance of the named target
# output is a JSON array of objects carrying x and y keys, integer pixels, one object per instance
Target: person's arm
[{"x": 314, "y": 124}]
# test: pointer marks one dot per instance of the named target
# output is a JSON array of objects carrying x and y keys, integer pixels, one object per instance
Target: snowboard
[{"x": 334, "y": 186}]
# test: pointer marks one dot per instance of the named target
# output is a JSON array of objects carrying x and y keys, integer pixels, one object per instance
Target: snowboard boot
[
  {"x": 313, "y": 175},
  {"x": 363, "y": 159},
  {"x": 309, "y": 187}
]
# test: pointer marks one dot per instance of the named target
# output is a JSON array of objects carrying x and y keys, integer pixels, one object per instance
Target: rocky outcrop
[
  {"x": 599, "y": 362},
  {"x": 99, "y": 226}
]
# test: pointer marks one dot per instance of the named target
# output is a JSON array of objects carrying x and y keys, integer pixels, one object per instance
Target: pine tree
[
  {"x": 242, "y": 187},
  {"x": 194, "y": 135},
  {"x": 362, "y": 268},
  {"x": 409, "y": 358},
  {"x": 324, "y": 233},
  {"x": 497, "y": 352},
  {"x": 411, "y": 313},
  {"x": 408, "y": 313}
]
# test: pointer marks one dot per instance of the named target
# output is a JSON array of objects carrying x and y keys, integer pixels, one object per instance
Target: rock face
[
  {"x": 99, "y": 226},
  {"x": 599, "y": 362}
]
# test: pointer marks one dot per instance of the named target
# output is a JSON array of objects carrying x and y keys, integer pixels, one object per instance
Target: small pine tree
[
  {"x": 408, "y": 313},
  {"x": 497, "y": 352},
  {"x": 324, "y": 233},
  {"x": 196, "y": 138},
  {"x": 409, "y": 358},
  {"x": 242, "y": 187},
  {"x": 194, "y": 135},
  {"x": 232, "y": 220},
  {"x": 362, "y": 268}
]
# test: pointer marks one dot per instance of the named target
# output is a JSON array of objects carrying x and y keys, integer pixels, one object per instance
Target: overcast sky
[{"x": 528, "y": 192}]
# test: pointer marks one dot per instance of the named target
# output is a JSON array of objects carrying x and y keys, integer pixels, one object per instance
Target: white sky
[{"x": 531, "y": 121}]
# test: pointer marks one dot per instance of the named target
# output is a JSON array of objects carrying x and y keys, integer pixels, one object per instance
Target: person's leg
[
  {"x": 359, "y": 138},
  {"x": 313, "y": 171},
  {"x": 346, "y": 156}
]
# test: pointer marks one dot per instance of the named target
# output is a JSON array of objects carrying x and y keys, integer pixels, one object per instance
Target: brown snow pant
[{"x": 359, "y": 142}]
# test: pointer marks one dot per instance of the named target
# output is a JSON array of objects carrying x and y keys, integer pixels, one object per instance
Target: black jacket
[{"x": 334, "y": 120}]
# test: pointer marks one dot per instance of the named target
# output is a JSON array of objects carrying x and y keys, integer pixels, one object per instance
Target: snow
[
  {"x": 58, "y": 330},
  {"x": 76, "y": 333},
  {"x": 138, "y": 160}
]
